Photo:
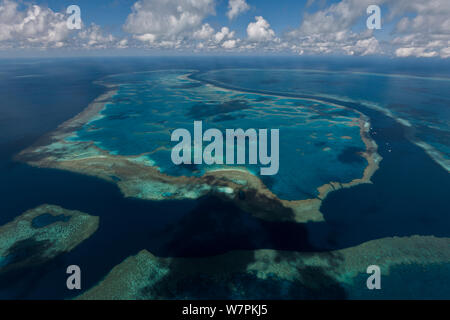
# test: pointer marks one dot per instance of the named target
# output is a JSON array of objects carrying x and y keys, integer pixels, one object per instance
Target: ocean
[{"x": 408, "y": 196}]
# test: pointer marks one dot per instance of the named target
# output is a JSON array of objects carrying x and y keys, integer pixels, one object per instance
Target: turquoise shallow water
[
  {"x": 422, "y": 101},
  {"x": 319, "y": 142}
]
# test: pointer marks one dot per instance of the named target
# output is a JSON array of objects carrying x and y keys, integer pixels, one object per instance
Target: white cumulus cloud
[
  {"x": 205, "y": 32},
  {"x": 260, "y": 30},
  {"x": 93, "y": 37},
  {"x": 229, "y": 44},
  {"x": 167, "y": 20},
  {"x": 425, "y": 31},
  {"x": 223, "y": 34},
  {"x": 34, "y": 26},
  {"x": 329, "y": 30},
  {"x": 236, "y": 7}
]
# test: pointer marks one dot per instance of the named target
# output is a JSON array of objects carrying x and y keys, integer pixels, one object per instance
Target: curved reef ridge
[
  {"x": 41, "y": 234},
  {"x": 140, "y": 176},
  {"x": 426, "y": 132},
  {"x": 274, "y": 274}
]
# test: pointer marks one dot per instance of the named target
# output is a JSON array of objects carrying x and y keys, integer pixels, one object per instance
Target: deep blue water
[
  {"x": 402, "y": 281},
  {"x": 47, "y": 219},
  {"x": 409, "y": 195}
]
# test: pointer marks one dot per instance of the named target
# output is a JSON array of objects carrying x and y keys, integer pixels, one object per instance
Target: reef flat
[
  {"x": 274, "y": 274},
  {"x": 41, "y": 234},
  {"x": 123, "y": 137}
]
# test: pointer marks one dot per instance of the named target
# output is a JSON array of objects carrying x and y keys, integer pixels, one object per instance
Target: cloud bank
[
  {"x": 417, "y": 29},
  {"x": 39, "y": 27}
]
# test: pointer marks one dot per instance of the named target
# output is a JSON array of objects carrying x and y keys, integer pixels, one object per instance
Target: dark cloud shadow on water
[
  {"x": 227, "y": 277},
  {"x": 217, "y": 226},
  {"x": 217, "y": 279},
  {"x": 27, "y": 261}
]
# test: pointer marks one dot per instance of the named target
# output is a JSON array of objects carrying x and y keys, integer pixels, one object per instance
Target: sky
[{"x": 409, "y": 28}]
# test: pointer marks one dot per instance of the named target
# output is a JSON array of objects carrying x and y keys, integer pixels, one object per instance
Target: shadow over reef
[
  {"x": 228, "y": 277},
  {"x": 35, "y": 240},
  {"x": 271, "y": 274},
  {"x": 216, "y": 226},
  {"x": 28, "y": 265}
]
